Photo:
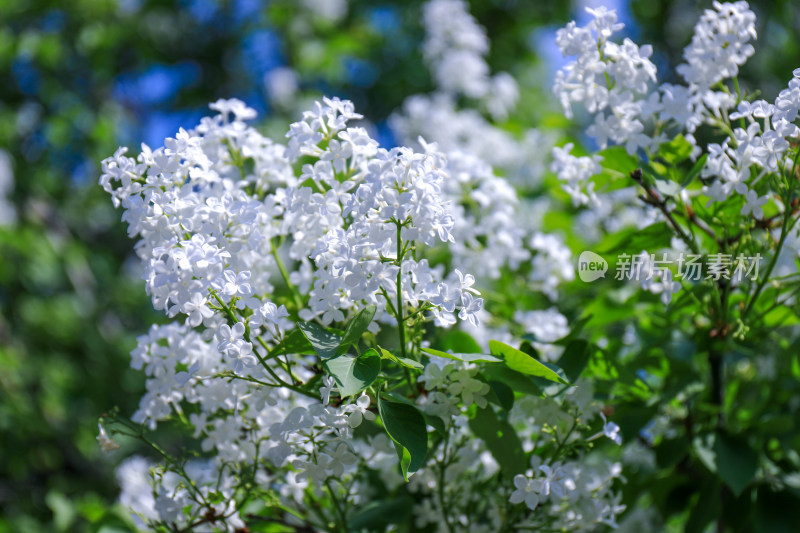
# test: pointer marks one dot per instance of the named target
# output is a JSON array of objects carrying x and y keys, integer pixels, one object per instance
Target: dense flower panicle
[
  {"x": 153, "y": 494},
  {"x": 578, "y": 494},
  {"x": 616, "y": 84},
  {"x": 220, "y": 209},
  {"x": 455, "y": 48},
  {"x": 216, "y": 211},
  {"x": 576, "y": 172},
  {"x": 763, "y": 143},
  {"x": 487, "y": 224},
  {"x": 213, "y": 204},
  {"x": 720, "y": 45},
  {"x": 611, "y": 80}
]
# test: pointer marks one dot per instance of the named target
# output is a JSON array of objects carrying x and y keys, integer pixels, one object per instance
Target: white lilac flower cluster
[
  {"x": 576, "y": 172},
  {"x": 576, "y": 493},
  {"x": 577, "y": 496},
  {"x": 609, "y": 79},
  {"x": 153, "y": 494},
  {"x": 220, "y": 209},
  {"x": 490, "y": 229},
  {"x": 213, "y": 206},
  {"x": 451, "y": 387},
  {"x": 217, "y": 211},
  {"x": 455, "y": 47},
  {"x": 616, "y": 83},
  {"x": 448, "y": 500},
  {"x": 762, "y": 143}
]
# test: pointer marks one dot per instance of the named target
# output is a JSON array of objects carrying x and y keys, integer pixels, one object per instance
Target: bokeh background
[{"x": 81, "y": 78}]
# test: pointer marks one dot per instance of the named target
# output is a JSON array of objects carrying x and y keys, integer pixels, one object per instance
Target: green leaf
[
  {"x": 616, "y": 166},
  {"x": 295, "y": 342},
  {"x": 324, "y": 342},
  {"x": 63, "y": 510},
  {"x": 354, "y": 374},
  {"x": 577, "y": 329},
  {"x": 617, "y": 158},
  {"x": 773, "y": 511},
  {"x": 706, "y": 508},
  {"x": 459, "y": 341},
  {"x": 736, "y": 462},
  {"x": 503, "y": 393},
  {"x": 356, "y": 328},
  {"x": 501, "y": 440},
  {"x": 466, "y": 357},
  {"x": 695, "y": 171},
  {"x": 632, "y": 241},
  {"x": 376, "y": 515},
  {"x": 670, "y": 452},
  {"x": 405, "y": 425},
  {"x": 676, "y": 150},
  {"x": 405, "y": 361},
  {"x": 436, "y": 423},
  {"x": 524, "y": 363},
  {"x": 574, "y": 359},
  {"x": 515, "y": 380}
]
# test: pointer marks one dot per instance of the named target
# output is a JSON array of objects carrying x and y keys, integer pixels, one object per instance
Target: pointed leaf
[
  {"x": 501, "y": 439},
  {"x": 695, "y": 171},
  {"x": 405, "y": 361},
  {"x": 503, "y": 394},
  {"x": 295, "y": 342},
  {"x": 354, "y": 374},
  {"x": 736, "y": 462},
  {"x": 406, "y": 427},
  {"x": 459, "y": 341},
  {"x": 466, "y": 357},
  {"x": 522, "y": 362},
  {"x": 574, "y": 359},
  {"x": 324, "y": 342},
  {"x": 356, "y": 328},
  {"x": 515, "y": 380}
]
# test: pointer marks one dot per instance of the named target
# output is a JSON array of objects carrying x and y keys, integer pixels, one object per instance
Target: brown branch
[{"x": 655, "y": 199}]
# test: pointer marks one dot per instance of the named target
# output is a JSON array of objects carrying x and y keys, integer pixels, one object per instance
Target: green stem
[
  {"x": 440, "y": 488},
  {"x": 401, "y": 326},
  {"x": 341, "y": 518},
  {"x": 763, "y": 281},
  {"x": 777, "y": 304},
  {"x": 298, "y": 300},
  {"x": 566, "y": 438}
]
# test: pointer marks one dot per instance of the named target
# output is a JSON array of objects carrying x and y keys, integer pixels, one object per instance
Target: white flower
[
  {"x": 668, "y": 286},
  {"x": 611, "y": 430},
  {"x": 340, "y": 458},
  {"x": 466, "y": 282},
  {"x": 243, "y": 357},
  {"x": 325, "y": 391},
  {"x": 359, "y": 411},
  {"x": 470, "y": 308},
  {"x": 753, "y": 204},
  {"x": 231, "y": 338},
  {"x": 527, "y": 491},
  {"x": 575, "y": 172},
  {"x": 556, "y": 481},
  {"x": 470, "y": 389}
]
